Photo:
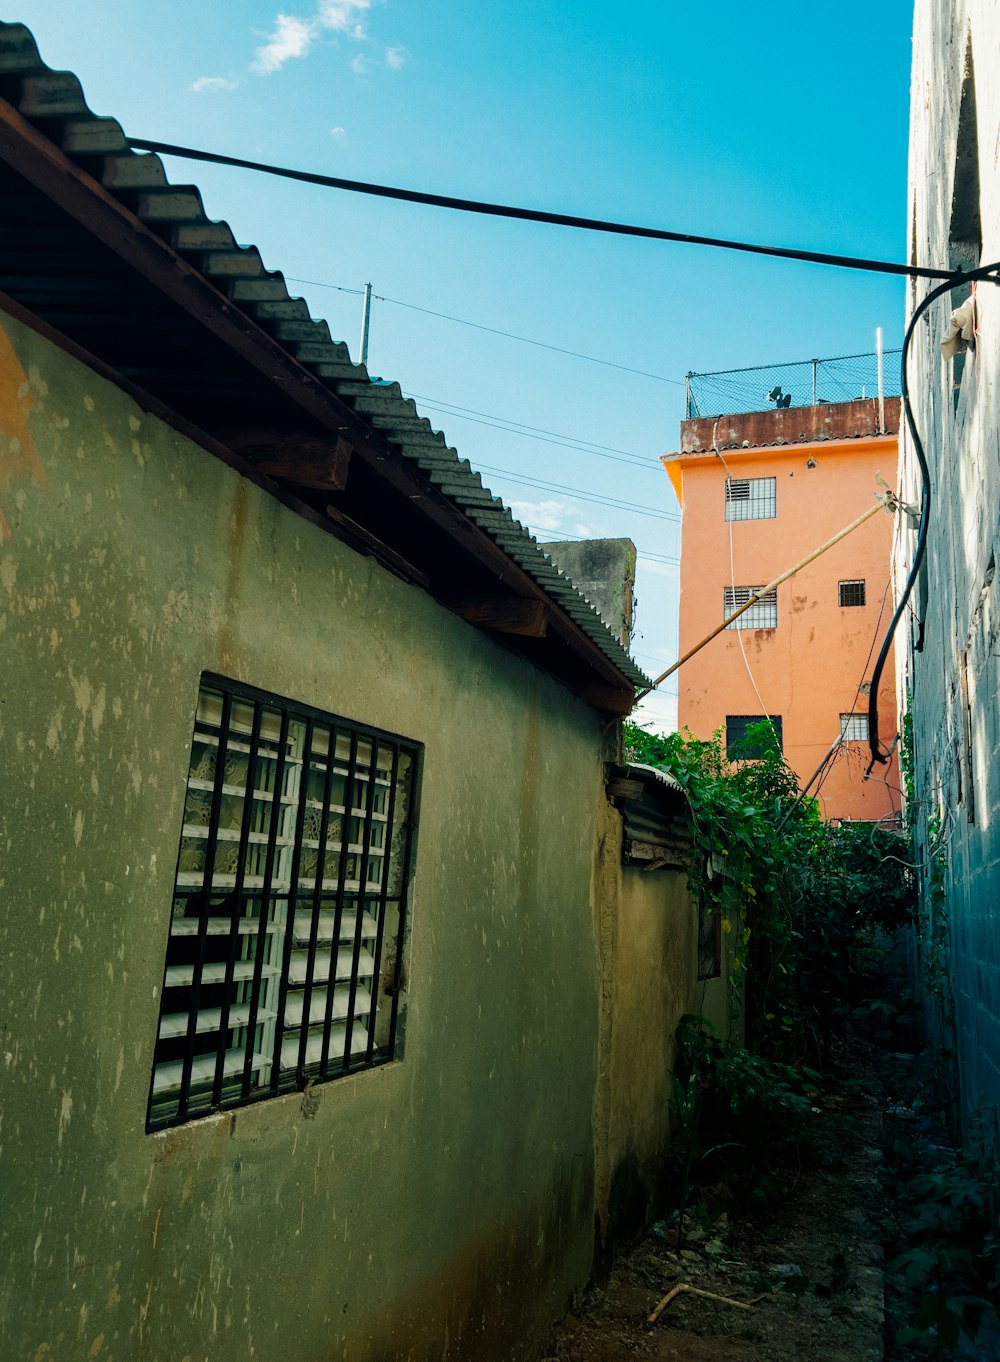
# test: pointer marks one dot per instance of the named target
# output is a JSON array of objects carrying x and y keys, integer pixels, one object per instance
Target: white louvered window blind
[
  {"x": 289, "y": 906},
  {"x": 763, "y": 614},
  {"x": 751, "y": 498}
]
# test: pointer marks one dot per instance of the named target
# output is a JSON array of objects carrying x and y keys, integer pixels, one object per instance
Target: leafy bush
[
  {"x": 740, "y": 1118},
  {"x": 804, "y": 902}
]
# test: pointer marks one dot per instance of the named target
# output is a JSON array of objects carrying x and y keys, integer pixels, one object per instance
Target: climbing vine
[{"x": 803, "y": 900}]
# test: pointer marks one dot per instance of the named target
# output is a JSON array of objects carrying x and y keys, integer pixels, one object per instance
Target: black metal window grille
[
  {"x": 854, "y": 727},
  {"x": 762, "y": 615},
  {"x": 286, "y": 934},
  {"x": 751, "y": 499},
  {"x": 852, "y": 593},
  {"x": 740, "y": 747}
]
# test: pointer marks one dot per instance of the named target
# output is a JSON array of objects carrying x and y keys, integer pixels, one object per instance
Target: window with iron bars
[
  {"x": 751, "y": 499},
  {"x": 740, "y": 747},
  {"x": 852, "y": 593},
  {"x": 763, "y": 614},
  {"x": 289, "y": 908},
  {"x": 854, "y": 727}
]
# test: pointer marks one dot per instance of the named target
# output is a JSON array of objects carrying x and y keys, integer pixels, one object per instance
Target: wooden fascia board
[
  {"x": 516, "y": 615},
  {"x": 45, "y": 166}
]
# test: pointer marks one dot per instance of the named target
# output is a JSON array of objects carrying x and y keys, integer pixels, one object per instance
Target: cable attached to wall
[{"x": 990, "y": 273}]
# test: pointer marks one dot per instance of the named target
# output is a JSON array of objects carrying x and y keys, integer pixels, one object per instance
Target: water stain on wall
[{"x": 19, "y": 459}]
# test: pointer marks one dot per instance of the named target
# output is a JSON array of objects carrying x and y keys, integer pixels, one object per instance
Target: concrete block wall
[{"x": 956, "y": 754}]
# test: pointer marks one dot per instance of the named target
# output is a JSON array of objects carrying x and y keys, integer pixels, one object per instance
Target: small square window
[
  {"x": 744, "y": 745},
  {"x": 751, "y": 498},
  {"x": 854, "y": 727},
  {"x": 283, "y": 958},
  {"x": 763, "y": 614},
  {"x": 852, "y": 593}
]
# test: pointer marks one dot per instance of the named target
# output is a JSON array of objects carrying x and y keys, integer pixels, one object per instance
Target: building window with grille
[
  {"x": 854, "y": 727},
  {"x": 852, "y": 593},
  {"x": 751, "y": 499},
  {"x": 750, "y": 736},
  {"x": 289, "y": 908},
  {"x": 763, "y": 614}
]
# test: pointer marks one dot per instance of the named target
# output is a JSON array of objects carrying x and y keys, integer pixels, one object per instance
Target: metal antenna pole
[
  {"x": 881, "y": 380},
  {"x": 366, "y": 312}
]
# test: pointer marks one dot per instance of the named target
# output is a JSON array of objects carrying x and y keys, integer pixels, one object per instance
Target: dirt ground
[{"x": 812, "y": 1266}]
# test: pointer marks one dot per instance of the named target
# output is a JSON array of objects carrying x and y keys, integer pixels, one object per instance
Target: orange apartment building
[{"x": 759, "y": 492}]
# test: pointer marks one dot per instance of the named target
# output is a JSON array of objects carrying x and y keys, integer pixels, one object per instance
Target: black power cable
[
  {"x": 499, "y": 210},
  {"x": 990, "y": 273}
]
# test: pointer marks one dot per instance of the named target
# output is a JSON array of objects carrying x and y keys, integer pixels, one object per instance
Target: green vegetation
[{"x": 807, "y": 904}]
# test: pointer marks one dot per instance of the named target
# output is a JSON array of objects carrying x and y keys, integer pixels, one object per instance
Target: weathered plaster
[
  {"x": 957, "y": 405},
  {"x": 448, "y": 1196}
]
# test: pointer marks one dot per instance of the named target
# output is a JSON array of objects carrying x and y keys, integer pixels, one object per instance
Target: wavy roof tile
[{"x": 53, "y": 101}]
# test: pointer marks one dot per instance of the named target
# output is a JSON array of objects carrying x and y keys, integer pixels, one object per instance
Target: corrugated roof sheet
[{"x": 56, "y": 99}]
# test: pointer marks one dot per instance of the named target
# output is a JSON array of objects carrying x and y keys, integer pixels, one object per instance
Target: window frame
[
  {"x": 844, "y": 588},
  {"x": 305, "y": 866},
  {"x": 762, "y": 615},
  {"x": 741, "y": 722},
  {"x": 854, "y": 726},
  {"x": 759, "y": 503}
]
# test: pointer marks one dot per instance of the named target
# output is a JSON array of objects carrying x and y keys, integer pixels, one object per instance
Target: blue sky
[{"x": 783, "y": 124}]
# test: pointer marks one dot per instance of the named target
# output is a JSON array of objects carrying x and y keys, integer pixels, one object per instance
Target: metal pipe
[
  {"x": 880, "y": 505},
  {"x": 881, "y": 381},
  {"x": 366, "y": 309}
]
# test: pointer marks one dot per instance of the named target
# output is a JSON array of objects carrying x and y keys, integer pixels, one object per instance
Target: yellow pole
[{"x": 886, "y": 502}]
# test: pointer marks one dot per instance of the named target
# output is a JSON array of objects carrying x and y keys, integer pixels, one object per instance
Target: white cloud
[
  {"x": 207, "y": 83},
  {"x": 339, "y": 134},
  {"x": 396, "y": 57},
  {"x": 540, "y": 515},
  {"x": 342, "y": 16},
  {"x": 584, "y": 531},
  {"x": 360, "y": 64},
  {"x": 293, "y": 37}
]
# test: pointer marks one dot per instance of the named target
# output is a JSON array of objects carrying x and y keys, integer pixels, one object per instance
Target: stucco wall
[
  {"x": 957, "y": 766},
  {"x": 441, "y": 1206},
  {"x": 655, "y": 984}
]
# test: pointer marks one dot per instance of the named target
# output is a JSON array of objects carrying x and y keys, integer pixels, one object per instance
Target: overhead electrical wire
[
  {"x": 951, "y": 278},
  {"x": 540, "y": 531},
  {"x": 499, "y": 210},
  {"x": 990, "y": 273},
  {"x": 545, "y": 486},
  {"x": 493, "y": 330},
  {"x": 547, "y": 437}
]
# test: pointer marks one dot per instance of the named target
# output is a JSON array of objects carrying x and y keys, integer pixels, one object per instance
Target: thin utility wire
[
  {"x": 540, "y": 531},
  {"x": 638, "y": 461},
  {"x": 850, "y": 262},
  {"x": 493, "y": 330},
  {"x": 544, "y": 486},
  {"x": 542, "y": 345}
]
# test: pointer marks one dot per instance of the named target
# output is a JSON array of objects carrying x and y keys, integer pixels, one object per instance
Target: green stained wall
[{"x": 446, "y": 1197}]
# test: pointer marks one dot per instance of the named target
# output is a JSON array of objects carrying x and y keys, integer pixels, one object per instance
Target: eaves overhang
[
  {"x": 126, "y": 270},
  {"x": 656, "y": 816}
]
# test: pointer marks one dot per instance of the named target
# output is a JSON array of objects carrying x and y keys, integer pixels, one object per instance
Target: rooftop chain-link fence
[{"x": 800, "y": 383}]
